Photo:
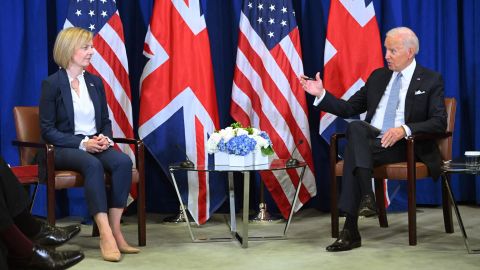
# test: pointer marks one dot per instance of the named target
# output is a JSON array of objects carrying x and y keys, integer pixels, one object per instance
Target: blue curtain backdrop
[{"x": 449, "y": 33}]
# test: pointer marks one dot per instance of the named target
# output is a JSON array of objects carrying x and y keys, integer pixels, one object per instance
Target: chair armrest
[
  {"x": 126, "y": 140},
  {"x": 422, "y": 137},
  {"x": 429, "y": 136},
  {"x": 32, "y": 144},
  {"x": 334, "y": 145},
  {"x": 49, "y": 160},
  {"x": 49, "y": 151},
  {"x": 140, "y": 159},
  {"x": 139, "y": 149},
  {"x": 411, "y": 148}
]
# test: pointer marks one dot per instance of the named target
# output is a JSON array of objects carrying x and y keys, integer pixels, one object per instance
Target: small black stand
[
  {"x": 187, "y": 164},
  {"x": 291, "y": 162}
]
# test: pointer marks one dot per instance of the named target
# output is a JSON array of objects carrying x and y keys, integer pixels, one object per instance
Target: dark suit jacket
[
  {"x": 424, "y": 112},
  {"x": 56, "y": 109}
]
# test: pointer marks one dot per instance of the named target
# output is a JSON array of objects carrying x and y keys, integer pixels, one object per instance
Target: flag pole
[
  {"x": 263, "y": 215},
  {"x": 178, "y": 218}
]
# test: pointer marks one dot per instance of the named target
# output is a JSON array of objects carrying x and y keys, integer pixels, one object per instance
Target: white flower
[
  {"x": 241, "y": 131},
  {"x": 211, "y": 147},
  {"x": 215, "y": 137},
  {"x": 227, "y": 133},
  {"x": 261, "y": 142},
  {"x": 212, "y": 142}
]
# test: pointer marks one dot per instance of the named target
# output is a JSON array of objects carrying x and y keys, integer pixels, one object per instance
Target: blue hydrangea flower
[
  {"x": 222, "y": 146},
  {"x": 240, "y": 145}
]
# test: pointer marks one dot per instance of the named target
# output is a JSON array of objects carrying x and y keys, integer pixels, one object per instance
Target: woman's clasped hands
[{"x": 97, "y": 144}]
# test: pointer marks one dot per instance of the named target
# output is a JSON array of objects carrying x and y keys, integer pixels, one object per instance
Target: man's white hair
[{"x": 410, "y": 40}]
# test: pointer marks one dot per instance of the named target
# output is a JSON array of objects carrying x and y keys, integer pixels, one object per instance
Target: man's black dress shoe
[
  {"x": 47, "y": 259},
  {"x": 346, "y": 241},
  {"x": 54, "y": 236},
  {"x": 367, "y": 207}
]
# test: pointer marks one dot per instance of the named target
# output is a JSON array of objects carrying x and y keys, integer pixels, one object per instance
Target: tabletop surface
[
  {"x": 276, "y": 164},
  {"x": 458, "y": 165}
]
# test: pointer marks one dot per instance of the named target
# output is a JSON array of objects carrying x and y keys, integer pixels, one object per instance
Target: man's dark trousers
[{"x": 364, "y": 150}]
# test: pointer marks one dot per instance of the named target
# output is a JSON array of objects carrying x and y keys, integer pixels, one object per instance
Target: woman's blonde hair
[{"x": 68, "y": 40}]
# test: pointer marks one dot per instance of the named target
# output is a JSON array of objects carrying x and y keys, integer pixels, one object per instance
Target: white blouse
[{"x": 83, "y": 110}]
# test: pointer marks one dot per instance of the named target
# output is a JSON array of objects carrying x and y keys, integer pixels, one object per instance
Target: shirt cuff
[
  {"x": 319, "y": 99},
  {"x": 82, "y": 145},
  {"x": 408, "y": 132}
]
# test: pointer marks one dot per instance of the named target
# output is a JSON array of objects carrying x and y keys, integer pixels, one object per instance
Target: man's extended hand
[
  {"x": 392, "y": 136},
  {"x": 313, "y": 87}
]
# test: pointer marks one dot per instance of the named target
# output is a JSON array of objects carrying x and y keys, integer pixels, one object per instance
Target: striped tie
[{"x": 392, "y": 104}]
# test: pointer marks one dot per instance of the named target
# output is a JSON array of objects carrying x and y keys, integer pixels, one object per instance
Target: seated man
[
  {"x": 23, "y": 236},
  {"x": 400, "y": 100}
]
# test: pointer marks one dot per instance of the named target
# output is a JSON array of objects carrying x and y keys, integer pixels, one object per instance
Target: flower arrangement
[
  {"x": 237, "y": 140},
  {"x": 240, "y": 141}
]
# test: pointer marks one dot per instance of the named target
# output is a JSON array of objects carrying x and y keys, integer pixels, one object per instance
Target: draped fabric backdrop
[{"x": 449, "y": 33}]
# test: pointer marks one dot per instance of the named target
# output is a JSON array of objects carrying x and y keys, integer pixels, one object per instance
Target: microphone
[
  {"x": 291, "y": 162},
  {"x": 187, "y": 163}
]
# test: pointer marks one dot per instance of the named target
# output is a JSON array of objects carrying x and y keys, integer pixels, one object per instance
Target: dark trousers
[
  {"x": 13, "y": 198},
  {"x": 13, "y": 201},
  {"x": 92, "y": 167},
  {"x": 364, "y": 150},
  {"x": 3, "y": 256}
]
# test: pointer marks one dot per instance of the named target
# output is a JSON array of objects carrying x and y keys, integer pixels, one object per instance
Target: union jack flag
[
  {"x": 178, "y": 105},
  {"x": 352, "y": 51},
  {"x": 266, "y": 92},
  {"x": 109, "y": 61}
]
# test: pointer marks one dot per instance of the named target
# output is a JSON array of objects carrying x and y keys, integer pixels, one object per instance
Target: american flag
[
  {"x": 178, "y": 105},
  {"x": 266, "y": 92},
  {"x": 352, "y": 51},
  {"x": 109, "y": 61}
]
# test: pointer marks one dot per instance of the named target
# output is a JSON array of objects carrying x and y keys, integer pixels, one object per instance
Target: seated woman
[{"x": 74, "y": 118}]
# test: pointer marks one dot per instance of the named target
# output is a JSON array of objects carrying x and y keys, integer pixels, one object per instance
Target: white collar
[
  {"x": 407, "y": 72},
  {"x": 79, "y": 77}
]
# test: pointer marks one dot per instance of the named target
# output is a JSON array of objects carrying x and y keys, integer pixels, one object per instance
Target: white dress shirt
[{"x": 377, "y": 119}]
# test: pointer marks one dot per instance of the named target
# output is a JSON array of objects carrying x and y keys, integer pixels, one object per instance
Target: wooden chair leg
[
  {"x": 412, "y": 212},
  {"x": 50, "y": 183},
  {"x": 34, "y": 195},
  {"x": 50, "y": 205},
  {"x": 334, "y": 205},
  {"x": 95, "y": 231},
  {"x": 142, "y": 227},
  {"x": 379, "y": 195},
  {"x": 447, "y": 206}
]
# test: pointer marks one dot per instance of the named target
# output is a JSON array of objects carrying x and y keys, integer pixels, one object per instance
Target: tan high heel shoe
[
  {"x": 110, "y": 255},
  {"x": 129, "y": 250}
]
